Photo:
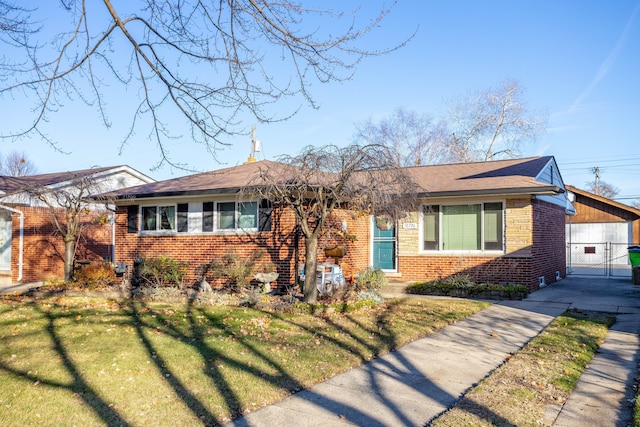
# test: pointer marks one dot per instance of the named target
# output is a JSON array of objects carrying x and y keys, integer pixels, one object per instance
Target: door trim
[{"x": 372, "y": 241}]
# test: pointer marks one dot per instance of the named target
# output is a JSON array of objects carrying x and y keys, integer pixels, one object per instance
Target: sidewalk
[{"x": 413, "y": 385}]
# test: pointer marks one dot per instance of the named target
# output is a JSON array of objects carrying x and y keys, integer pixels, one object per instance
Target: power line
[{"x": 600, "y": 160}]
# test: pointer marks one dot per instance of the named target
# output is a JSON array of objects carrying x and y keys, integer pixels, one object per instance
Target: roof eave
[
  {"x": 551, "y": 190},
  {"x": 165, "y": 194}
]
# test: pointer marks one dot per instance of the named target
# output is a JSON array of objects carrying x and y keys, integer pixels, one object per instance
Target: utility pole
[{"x": 596, "y": 172}]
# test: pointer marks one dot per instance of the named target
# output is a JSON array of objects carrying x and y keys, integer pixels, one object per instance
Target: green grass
[
  {"x": 543, "y": 373},
  {"x": 81, "y": 361}
]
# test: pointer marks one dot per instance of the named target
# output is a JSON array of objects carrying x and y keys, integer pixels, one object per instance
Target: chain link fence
[{"x": 598, "y": 259}]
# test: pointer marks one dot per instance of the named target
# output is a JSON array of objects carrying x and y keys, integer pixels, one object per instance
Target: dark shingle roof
[
  {"x": 496, "y": 177},
  {"x": 227, "y": 180}
]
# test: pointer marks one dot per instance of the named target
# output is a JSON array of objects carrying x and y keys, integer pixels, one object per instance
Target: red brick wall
[
  {"x": 196, "y": 250},
  {"x": 43, "y": 248},
  {"x": 481, "y": 269},
  {"x": 549, "y": 245},
  {"x": 355, "y": 239}
]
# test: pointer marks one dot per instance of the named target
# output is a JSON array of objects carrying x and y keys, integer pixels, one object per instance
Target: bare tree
[
  {"x": 364, "y": 179},
  {"x": 635, "y": 203},
  {"x": 603, "y": 189},
  {"x": 413, "y": 138},
  {"x": 206, "y": 62},
  {"x": 14, "y": 23},
  {"x": 70, "y": 207},
  {"x": 17, "y": 164},
  {"x": 492, "y": 124}
]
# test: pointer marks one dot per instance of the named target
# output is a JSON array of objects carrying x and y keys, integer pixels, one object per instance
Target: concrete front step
[{"x": 394, "y": 289}]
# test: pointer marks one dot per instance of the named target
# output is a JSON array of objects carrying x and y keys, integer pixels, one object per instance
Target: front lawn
[{"x": 83, "y": 361}]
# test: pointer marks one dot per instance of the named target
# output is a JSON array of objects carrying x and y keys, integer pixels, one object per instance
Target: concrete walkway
[{"x": 416, "y": 383}]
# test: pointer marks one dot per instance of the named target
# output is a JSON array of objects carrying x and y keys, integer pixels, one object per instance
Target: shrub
[
  {"x": 453, "y": 286},
  {"x": 161, "y": 272},
  {"x": 370, "y": 295},
  {"x": 95, "y": 275},
  {"x": 371, "y": 279},
  {"x": 459, "y": 281},
  {"x": 237, "y": 270},
  {"x": 337, "y": 294}
]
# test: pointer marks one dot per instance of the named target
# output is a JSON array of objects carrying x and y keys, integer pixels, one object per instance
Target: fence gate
[{"x": 598, "y": 259}]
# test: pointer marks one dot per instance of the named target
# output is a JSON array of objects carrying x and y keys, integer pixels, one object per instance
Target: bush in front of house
[
  {"x": 97, "y": 275},
  {"x": 371, "y": 296},
  {"x": 235, "y": 270},
  {"x": 463, "y": 286},
  {"x": 371, "y": 279},
  {"x": 161, "y": 272}
]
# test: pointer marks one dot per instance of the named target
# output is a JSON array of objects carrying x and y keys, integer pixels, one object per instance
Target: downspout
[
  {"x": 112, "y": 219},
  {"x": 20, "y": 255}
]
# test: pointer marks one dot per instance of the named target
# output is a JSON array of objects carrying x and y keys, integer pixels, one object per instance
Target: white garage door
[{"x": 614, "y": 232}]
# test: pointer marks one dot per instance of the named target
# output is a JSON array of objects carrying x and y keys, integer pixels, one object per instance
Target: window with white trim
[
  {"x": 159, "y": 218},
  {"x": 463, "y": 227},
  {"x": 206, "y": 217}
]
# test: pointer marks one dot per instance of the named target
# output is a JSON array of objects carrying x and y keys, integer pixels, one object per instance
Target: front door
[
  {"x": 383, "y": 248},
  {"x": 5, "y": 241}
]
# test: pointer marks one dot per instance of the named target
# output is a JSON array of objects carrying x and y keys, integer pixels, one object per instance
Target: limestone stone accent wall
[
  {"x": 518, "y": 227},
  {"x": 409, "y": 235}
]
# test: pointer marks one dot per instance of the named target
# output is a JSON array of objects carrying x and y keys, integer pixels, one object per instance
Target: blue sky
[{"x": 579, "y": 60}]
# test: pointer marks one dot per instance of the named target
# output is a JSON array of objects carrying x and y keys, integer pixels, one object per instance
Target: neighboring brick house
[
  {"x": 500, "y": 221},
  {"x": 30, "y": 249}
]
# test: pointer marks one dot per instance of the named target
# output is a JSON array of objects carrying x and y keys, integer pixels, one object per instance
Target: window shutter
[
  {"x": 183, "y": 217},
  {"x": 132, "y": 219},
  {"x": 264, "y": 215},
  {"x": 207, "y": 216}
]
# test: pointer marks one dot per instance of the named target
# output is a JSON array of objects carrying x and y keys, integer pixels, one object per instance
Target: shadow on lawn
[
  {"x": 194, "y": 331},
  {"x": 79, "y": 385}
]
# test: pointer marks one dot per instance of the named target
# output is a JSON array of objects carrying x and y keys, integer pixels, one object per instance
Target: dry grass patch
[
  {"x": 82, "y": 361},
  {"x": 531, "y": 386}
]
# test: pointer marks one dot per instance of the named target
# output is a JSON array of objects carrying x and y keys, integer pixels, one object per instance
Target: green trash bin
[{"x": 634, "y": 257}]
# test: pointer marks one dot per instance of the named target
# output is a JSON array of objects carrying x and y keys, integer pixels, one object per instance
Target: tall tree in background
[
  {"x": 480, "y": 126},
  {"x": 206, "y": 62},
  {"x": 17, "y": 164},
  {"x": 602, "y": 189},
  {"x": 413, "y": 138},
  {"x": 314, "y": 183},
  {"x": 492, "y": 124}
]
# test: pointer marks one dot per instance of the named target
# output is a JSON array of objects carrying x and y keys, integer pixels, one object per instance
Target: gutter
[
  {"x": 20, "y": 256},
  {"x": 539, "y": 191}
]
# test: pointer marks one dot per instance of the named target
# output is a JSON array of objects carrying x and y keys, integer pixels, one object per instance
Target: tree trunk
[
  {"x": 310, "y": 290},
  {"x": 69, "y": 252}
]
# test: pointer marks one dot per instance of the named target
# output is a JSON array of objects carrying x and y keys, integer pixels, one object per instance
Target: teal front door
[{"x": 383, "y": 251}]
